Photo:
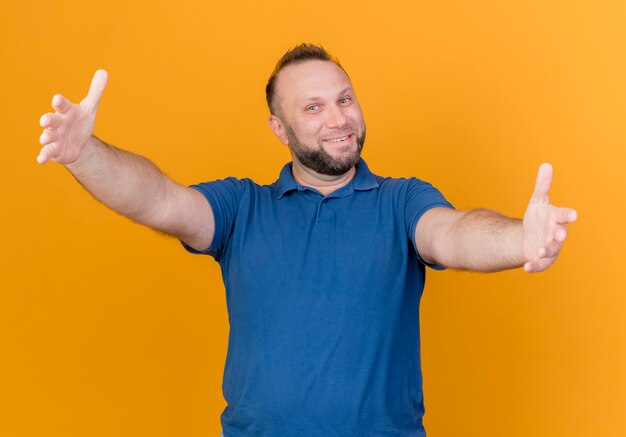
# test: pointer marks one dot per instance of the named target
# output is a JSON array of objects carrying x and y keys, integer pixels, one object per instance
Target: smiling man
[
  {"x": 324, "y": 269},
  {"x": 316, "y": 97}
]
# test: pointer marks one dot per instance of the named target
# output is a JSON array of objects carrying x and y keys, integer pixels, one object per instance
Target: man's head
[{"x": 314, "y": 110}]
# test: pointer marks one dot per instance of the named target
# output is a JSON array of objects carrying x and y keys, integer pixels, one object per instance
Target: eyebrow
[{"x": 306, "y": 99}]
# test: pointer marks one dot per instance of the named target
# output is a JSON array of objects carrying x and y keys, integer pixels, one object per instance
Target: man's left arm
[{"x": 488, "y": 241}]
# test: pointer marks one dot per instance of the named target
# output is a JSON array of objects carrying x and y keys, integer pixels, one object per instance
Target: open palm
[
  {"x": 67, "y": 130},
  {"x": 544, "y": 225}
]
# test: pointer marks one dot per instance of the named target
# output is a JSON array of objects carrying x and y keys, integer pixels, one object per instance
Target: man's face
[{"x": 323, "y": 122}]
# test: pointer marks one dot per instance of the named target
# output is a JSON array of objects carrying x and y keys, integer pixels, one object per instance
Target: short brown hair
[{"x": 301, "y": 53}]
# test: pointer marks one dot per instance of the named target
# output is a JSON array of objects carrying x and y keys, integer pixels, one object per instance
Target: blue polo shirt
[{"x": 323, "y": 300}]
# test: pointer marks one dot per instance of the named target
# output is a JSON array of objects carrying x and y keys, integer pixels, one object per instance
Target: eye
[
  {"x": 345, "y": 100},
  {"x": 312, "y": 107}
]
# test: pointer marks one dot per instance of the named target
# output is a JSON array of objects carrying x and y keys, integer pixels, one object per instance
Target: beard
[{"x": 319, "y": 160}]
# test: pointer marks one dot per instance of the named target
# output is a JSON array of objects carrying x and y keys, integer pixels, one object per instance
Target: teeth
[{"x": 337, "y": 140}]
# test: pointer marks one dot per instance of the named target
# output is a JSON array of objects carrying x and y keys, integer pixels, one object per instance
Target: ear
[{"x": 278, "y": 128}]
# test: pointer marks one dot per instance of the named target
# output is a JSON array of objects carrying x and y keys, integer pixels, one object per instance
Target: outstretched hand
[
  {"x": 67, "y": 130},
  {"x": 544, "y": 225}
]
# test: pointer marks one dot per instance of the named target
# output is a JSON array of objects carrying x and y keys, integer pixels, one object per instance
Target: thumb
[
  {"x": 98, "y": 83},
  {"x": 544, "y": 181}
]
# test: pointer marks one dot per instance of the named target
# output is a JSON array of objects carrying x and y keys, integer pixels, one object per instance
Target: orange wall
[{"x": 109, "y": 329}]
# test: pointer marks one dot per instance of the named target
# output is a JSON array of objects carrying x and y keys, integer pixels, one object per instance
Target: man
[{"x": 324, "y": 269}]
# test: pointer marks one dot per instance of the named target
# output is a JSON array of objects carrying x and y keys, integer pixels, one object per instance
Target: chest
[{"x": 308, "y": 238}]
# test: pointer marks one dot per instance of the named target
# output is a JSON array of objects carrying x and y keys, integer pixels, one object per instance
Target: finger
[
  {"x": 549, "y": 250},
  {"x": 566, "y": 215},
  {"x": 560, "y": 234},
  {"x": 46, "y": 153},
  {"x": 48, "y": 137},
  {"x": 544, "y": 181},
  {"x": 50, "y": 121},
  {"x": 538, "y": 266},
  {"x": 61, "y": 104},
  {"x": 98, "y": 83}
]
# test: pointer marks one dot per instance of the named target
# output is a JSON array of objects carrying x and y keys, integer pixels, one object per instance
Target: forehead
[{"x": 314, "y": 78}]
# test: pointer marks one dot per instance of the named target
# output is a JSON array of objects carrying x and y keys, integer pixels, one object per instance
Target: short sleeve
[
  {"x": 224, "y": 197},
  {"x": 420, "y": 197}
]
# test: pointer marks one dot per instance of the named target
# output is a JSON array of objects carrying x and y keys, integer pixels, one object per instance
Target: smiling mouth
[{"x": 338, "y": 140}]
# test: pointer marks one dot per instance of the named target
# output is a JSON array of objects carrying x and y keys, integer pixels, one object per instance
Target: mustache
[{"x": 338, "y": 134}]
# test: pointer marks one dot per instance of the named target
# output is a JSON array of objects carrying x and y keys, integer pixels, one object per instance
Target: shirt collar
[{"x": 364, "y": 179}]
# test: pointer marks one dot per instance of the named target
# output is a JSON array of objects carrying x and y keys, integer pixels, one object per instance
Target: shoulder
[
  {"x": 230, "y": 183},
  {"x": 402, "y": 185}
]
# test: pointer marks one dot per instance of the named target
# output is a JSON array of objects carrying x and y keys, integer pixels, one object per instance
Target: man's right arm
[{"x": 128, "y": 183}]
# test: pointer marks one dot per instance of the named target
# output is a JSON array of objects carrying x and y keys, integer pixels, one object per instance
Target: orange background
[{"x": 110, "y": 329}]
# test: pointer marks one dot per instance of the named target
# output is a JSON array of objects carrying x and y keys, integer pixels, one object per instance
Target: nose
[{"x": 336, "y": 118}]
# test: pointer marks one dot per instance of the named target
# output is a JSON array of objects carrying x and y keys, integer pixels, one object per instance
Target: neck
[{"x": 325, "y": 184}]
